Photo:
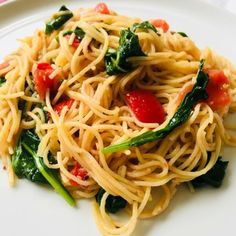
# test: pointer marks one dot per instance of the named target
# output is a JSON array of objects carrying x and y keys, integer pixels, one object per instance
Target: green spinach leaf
[
  {"x": 2, "y": 80},
  {"x": 115, "y": 60},
  {"x": 145, "y": 25},
  {"x": 58, "y": 22},
  {"x": 214, "y": 177},
  {"x": 24, "y": 165},
  {"x": 78, "y": 32},
  {"x": 183, "y": 34},
  {"x": 27, "y": 164},
  {"x": 113, "y": 203}
]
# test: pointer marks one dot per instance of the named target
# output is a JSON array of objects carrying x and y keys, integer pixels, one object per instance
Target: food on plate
[{"x": 116, "y": 109}]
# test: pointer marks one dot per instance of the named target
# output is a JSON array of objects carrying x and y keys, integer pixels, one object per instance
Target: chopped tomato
[
  {"x": 160, "y": 23},
  {"x": 217, "y": 89},
  {"x": 78, "y": 171},
  {"x": 4, "y": 65},
  {"x": 217, "y": 77},
  {"x": 42, "y": 80},
  {"x": 145, "y": 106},
  {"x": 102, "y": 8},
  {"x": 59, "y": 106},
  {"x": 75, "y": 43}
]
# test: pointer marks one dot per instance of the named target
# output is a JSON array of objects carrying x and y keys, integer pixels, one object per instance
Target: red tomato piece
[
  {"x": 44, "y": 66},
  {"x": 217, "y": 77},
  {"x": 218, "y": 94},
  {"x": 145, "y": 106},
  {"x": 4, "y": 65},
  {"x": 78, "y": 171},
  {"x": 59, "y": 106},
  {"x": 102, "y": 8},
  {"x": 42, "y": 80},
  {"x": 160, "y": 23},
  {"x": 75, "y": 43}
]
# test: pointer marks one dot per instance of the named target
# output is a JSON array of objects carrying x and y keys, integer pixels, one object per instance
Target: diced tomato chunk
[
  {"x": 4, "y": 65},
  {"x": 42, "y": 80},
  {"x": 75, "y": 43},
  {"x": 78, "y": 171},
  {"x": 217, "y": 89},
  {"x": 217, "y": 77},
  {"x": 145, "y": 106},
  {"x": 102, "y": 8},
  {"x": 160, "y": 23},
  {"x": 44, "y": 66},
  {"x": 59, "y": 106}
]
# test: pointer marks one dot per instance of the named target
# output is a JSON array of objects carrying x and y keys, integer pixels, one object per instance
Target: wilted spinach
[
  {"x": 183, "y": 34},
  {"x": 78, "y": 32},
  {"x": 27, "y": 164},
  {"x": 145, "y": 25},
  {"x": 58, "y": 22},
  {"x": 2, "y": 80},
  {"x": 113, "y": 203},
  {"x": 115, "y": 60},
  {"x": 214, "y": 177}
]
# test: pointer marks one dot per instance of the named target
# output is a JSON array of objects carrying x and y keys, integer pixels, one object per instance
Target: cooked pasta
[{"x": 57, "y": 85}]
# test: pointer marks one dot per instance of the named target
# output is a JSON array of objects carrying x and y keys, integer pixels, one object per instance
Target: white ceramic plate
[{"x": 32, "y": 210}]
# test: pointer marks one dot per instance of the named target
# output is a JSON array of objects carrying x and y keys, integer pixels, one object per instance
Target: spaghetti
[{"x": 57, "y": 84}]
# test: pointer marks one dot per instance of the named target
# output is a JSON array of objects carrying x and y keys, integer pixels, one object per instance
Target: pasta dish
[{"x": 115, "y": 109}]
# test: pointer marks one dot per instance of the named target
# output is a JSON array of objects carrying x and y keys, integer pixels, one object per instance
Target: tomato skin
[
  {"x": 218, "y": 93},
  {"x": 160, "y": 23},
  {"x": 42, "y": 80},
  {"x": 217, "y": 77},
  {"x": 78, "y": 171},
  {"x": 75, "y": 43},
  {"x": 102, "y": 8},
  {"x": 145, "y": 106},
  {"x": 4, "y": 65},
  {"x": 59, "y": 106},
  {"x": 44, "y": 66}
]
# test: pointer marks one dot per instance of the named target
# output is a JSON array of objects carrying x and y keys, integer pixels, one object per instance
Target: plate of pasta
[{"x": 117, "y": 118}]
